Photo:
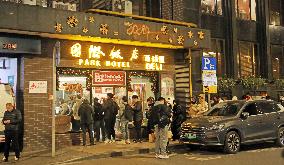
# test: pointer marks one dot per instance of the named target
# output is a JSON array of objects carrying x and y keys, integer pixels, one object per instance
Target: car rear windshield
[{"x": 225, "y": 109}]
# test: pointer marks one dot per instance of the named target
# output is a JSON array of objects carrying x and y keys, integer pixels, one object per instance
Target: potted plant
[
  {"x": 226, "y": 84},
  {"x": 253, "y": 83}
]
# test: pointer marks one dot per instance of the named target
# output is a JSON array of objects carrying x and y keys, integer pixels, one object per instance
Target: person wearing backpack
[
  {"x": 137, "y": 118},
  {"x": 161, "y": 115},
  {"x": 110, "y": 109},
  {"x": 99, "y": 123},
  {"x": 125, "y": 118}
]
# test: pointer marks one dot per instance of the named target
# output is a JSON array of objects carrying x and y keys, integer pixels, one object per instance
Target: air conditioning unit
[
  {"x": 29, "y": 2},
  {"x": 63, "y": 6},
  {"x": 122, "y": 6}
]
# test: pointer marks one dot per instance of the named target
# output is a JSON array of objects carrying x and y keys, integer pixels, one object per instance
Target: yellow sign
[
  {"x": 76, "y": 50},
  {"x": 152, "y": 62},
  {"x": 134, "y": 55},
  {"x": 210, "y": 89},
  {"x": 95, "y": 52},
  {"x": 115, "y": 54}
]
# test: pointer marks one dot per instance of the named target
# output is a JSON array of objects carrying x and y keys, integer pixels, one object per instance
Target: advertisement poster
[
  {"x": 167, "y": 85},
  {"x": 107, "y": 78},
  {"x": 38, "y": 87}
]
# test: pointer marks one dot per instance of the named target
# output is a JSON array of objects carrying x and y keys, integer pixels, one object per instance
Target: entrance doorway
[
  {"x": 8, "y": 83},
  {"x": 10, "y": 91}
]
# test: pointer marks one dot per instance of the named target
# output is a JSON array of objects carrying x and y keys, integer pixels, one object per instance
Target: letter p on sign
[{"x": 209, "y": 63}]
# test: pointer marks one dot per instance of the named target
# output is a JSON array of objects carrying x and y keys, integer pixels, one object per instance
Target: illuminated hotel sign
[{"x": 115, "y": 59}]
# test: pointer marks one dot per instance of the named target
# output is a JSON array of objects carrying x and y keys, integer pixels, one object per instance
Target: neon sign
[
  {"x": 115, "y": 58},
  {"x": 154, "y": 62}
]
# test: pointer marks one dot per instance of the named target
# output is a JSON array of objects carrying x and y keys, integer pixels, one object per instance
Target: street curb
[{"x": 120, "y": 154}]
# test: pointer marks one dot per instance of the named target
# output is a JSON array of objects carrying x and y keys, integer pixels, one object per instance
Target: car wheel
[
  {"x": 232, "y": 143},
  {"x": 280, "y": 137}
]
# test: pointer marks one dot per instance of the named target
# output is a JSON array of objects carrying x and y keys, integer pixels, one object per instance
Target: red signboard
[{"x": 106, "y": 78}]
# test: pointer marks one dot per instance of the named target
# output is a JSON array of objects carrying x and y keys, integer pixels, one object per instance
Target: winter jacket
[
  {"x": 110, "y": 109},
  {"x": 86, "y": 113},
  {"x": 161, "y": 115},
  {"x": 179, "y": 115},
  {"x": 127, "y": 112},
  {"x": 15, "y": 118},
  {"x": 98, "y": 112},
  {"x": 75, "y": 109},
  {"x": 138, "y": 114}
]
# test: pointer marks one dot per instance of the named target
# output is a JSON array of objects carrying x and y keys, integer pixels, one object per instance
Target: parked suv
[{"x": 232, "y": 123}]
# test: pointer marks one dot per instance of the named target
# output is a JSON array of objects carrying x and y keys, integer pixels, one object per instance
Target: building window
[
  {"x": 212, "y": 7},
  {"x": 139, "y": 7},
  {"x": 246, "y": 9},
  {"x": 247, "y": 53},
  {"x": 277, "y": 61},
  {"x": 276, "y": 12},
  {"x": 217, "y": 50}
]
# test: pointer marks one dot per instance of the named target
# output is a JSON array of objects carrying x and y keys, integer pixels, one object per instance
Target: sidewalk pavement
[{"x": 100, "y": 150}]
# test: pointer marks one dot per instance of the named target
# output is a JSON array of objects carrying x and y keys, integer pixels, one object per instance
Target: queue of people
[{"x": 99, "y": 120}]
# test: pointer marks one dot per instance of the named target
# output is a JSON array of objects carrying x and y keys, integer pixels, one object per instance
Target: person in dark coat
[
  {"x": 161, "y": 115},
  {"x": 12, "y": 119},
  {"x": 179, "y": 116},
  {"x": 150, "y": 126},
  {"x": 137, "y": 118},
  {"x": 86, "y": 113},
  {"x": 110, "y": 109},
  {"x": 99, "y": 124}
]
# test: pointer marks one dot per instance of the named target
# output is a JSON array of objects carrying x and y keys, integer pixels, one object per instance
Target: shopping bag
[{"x": 152, "y": 138}]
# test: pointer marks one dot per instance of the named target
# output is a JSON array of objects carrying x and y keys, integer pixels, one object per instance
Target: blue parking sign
[{"x": 209, "y": 63}]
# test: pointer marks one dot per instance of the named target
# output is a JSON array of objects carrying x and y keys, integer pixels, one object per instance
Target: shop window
[
  {"x": 217, "y": 50},
  {"x": 246, "y": 9},
  {"x": 276, "y": 12},
  {"x": 277, "y": 61},
  {"x": 212, "y": 7},
  {"x": 247, "y": 62}
]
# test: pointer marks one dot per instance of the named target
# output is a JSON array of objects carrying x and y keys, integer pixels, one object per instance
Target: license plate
[{"x": 190, "y": 136}]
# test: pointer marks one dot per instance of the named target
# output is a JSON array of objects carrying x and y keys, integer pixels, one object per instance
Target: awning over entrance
[{"x": 105, "y": 28}]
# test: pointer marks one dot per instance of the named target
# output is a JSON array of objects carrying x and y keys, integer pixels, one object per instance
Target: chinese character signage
[
  {"x": 114, "y": 58},
  {"x": 105, "y": 28},
  {"x": 105, "y": 78}
]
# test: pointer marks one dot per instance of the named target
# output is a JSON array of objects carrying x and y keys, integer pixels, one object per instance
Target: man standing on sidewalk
[
  {"x": 99, "y": 120},
  {"x": 87, "y": 123},
  {"x": 125, "y": 117},
  {"x": 161, "y": 115},
  {"x": 12, "y": 119},
  {"x": 137, "y": 118},
  {"x": 110, "y": 109}
]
